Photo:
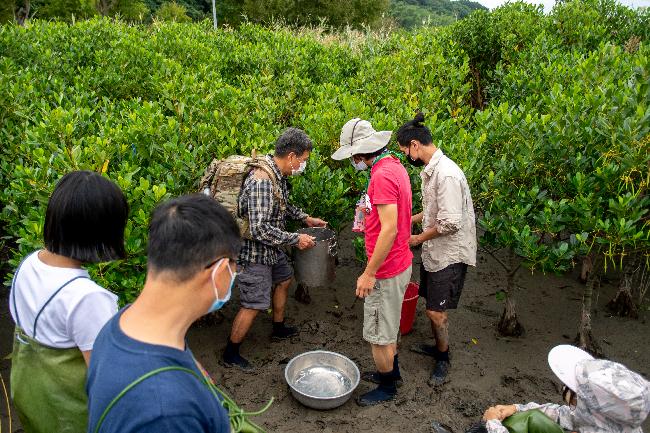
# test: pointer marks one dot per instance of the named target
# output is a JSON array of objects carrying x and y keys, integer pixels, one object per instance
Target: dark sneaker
[
  {"x": 284, "y": 333},
  {"x": 376, "y": 396},
  {"x": 439, "y": 374},
  {"x": 425, "y": 349},
  {"x": 237, "y": 361},
  {"x": 440, "y": 428},
  {"x": 373, "y": 376}
]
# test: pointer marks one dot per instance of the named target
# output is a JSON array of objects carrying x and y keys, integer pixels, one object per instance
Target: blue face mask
[{"x": 218, "y": 303}]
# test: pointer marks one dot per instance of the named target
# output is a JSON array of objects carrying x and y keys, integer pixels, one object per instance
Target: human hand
[
  {"x": 315, "y": 222},
  {"x": 365, "y": 285},
  {"x": 499, "y": 412},
  {"x": 492, "y": 413},
  {"x": 414, "y": 240},
  {"x": 305, "y": 241},
  {"x": 506, "y": 410}
]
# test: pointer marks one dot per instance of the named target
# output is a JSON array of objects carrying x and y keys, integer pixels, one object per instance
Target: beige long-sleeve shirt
[{"x": 447, "y": 206}]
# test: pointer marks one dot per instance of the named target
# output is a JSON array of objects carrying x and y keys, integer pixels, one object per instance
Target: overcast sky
[{"x": 548, "y": 4}]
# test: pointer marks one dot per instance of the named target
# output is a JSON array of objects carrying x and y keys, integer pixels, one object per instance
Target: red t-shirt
[{"x": 390, "y": 184}]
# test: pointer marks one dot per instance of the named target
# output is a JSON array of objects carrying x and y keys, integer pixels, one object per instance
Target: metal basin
[
  {"x": 322, "y": 379},
  {"x": 315, "y": 266}
]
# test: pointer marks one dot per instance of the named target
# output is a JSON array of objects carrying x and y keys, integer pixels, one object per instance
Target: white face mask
[
  {"x": 301, "y": 168},
  {"x": 360, "y": 166}
]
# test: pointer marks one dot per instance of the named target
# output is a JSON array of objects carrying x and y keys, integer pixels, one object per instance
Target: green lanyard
[{"x": 238, "y": 418}]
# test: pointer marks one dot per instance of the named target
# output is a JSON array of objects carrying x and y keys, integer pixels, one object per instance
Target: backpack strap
[
  {"x": 262, "y": 164},
  {"x": 208, "y": 176}
]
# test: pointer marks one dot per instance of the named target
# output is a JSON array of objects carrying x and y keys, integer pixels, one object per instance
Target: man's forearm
[
  {"x": 417, "y": 219},
  {"x": 428, "y": 235}
]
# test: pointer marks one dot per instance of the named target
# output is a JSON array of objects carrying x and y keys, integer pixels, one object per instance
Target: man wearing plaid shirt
[{"x": 265, "y": 271}]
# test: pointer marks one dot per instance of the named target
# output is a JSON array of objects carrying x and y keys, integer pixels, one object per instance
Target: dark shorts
[
  {"x": 442, "y": 289},
  {"x": 256, "y": 282}
]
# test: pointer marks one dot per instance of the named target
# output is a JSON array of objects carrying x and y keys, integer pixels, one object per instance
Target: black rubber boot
[
  {"x": 373, "y": 376},
  {"x": 282, "y": 331},
  {"x": 386, "y": 391},
  {"x": 232, "y": 358},
  {"x": 440, "y": 370}
]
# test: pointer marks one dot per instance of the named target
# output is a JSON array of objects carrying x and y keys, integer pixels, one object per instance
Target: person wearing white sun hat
[
  {"x": 601, "y": 396},
  {"x": 386, "y": 213}
]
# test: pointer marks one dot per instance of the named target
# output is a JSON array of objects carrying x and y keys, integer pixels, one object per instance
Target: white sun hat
[
  {"x": 563, "y": 360},
  {"x": 357, "y": 137}
]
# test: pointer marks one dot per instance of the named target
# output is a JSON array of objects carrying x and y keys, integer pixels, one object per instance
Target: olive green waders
[{"x": 47, "y": 383}]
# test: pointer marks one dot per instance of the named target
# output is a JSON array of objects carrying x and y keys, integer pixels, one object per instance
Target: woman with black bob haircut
[{"x": 58, "y": 309}]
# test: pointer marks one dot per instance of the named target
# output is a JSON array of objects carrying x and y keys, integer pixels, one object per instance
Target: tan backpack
[{"x": 224, "y": 179}]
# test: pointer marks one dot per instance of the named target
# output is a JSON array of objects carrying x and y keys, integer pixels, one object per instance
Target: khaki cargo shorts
[{"x": 382, "y": 310}]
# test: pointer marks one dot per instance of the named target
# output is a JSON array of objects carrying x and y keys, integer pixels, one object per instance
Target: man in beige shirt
[{"x": 448, "y": 237}]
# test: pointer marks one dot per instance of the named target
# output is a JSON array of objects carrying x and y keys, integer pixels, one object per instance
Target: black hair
[
  {"x": 85, "y": 218},
  {"x": 414, "y": 130},
  {"x": 293, "y": 140},
  {"x": 188, "y": 232},
  {"x": 371, "y": 155}
]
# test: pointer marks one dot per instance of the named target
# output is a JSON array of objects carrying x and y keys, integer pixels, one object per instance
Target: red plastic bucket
[{"x": 408, "y": 308}]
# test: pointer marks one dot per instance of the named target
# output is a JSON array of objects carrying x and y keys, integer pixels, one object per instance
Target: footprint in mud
[
  {"x": 521, "y": 384},
  {"x": 466, "y": 402}
]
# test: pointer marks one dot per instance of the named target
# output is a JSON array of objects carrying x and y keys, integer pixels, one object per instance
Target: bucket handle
[{"x": 333, "y": 249}]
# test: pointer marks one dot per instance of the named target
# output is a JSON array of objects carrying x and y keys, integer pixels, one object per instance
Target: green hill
[
  {"x": 335, "y": 13},
  {"x": 414, "y": 13}
]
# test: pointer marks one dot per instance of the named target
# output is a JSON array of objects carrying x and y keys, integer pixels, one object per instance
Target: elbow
[
  {"x": 447, "y": 227},
  {"x": 390, "y": 232}
]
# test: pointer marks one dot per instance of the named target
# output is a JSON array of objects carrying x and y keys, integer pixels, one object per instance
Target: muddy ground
[{"x": 486, "y": 369}]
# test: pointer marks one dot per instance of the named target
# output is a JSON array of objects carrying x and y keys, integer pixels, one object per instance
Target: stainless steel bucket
[{"x": 315, "y": 267}]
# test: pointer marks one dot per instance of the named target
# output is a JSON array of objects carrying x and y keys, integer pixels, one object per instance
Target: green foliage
[
  {"x": 557, "y": 159},
  {"x": 416, "y": 13},
  {"x": 568, "y": 164},
  {"x": 359, "y": 245},
  {"x": 585, "y": 24},
  {"x": 172, "y": 11},
  {"x": 7, "y": 10},
  {"x": 150, "y": 106},
  {"x": 130, "y": 10},
  {"x": 195, "y": 9},
  {"x": 63, "y": 10},
  {"x": 336, "y": 13},
  {"x": 329, "y": 186},
  {"x": 356, "y": 14}
]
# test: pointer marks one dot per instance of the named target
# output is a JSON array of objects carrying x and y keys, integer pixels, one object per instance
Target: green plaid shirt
[{"x": 266, "y": 220}]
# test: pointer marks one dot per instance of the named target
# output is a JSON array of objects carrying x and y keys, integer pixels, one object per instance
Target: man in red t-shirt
[{"x": 387, "y": 204}]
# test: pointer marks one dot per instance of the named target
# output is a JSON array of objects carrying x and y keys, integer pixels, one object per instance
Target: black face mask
[{"x": 414, "y": 162}]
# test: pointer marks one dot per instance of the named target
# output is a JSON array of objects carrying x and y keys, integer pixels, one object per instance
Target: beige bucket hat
[{"x": 358, "y": 136}]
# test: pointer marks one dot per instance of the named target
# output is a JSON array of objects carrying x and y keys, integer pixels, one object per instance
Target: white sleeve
[
  {"x": 88, "y": 317},
  {"x": 495, "y": 426}
]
